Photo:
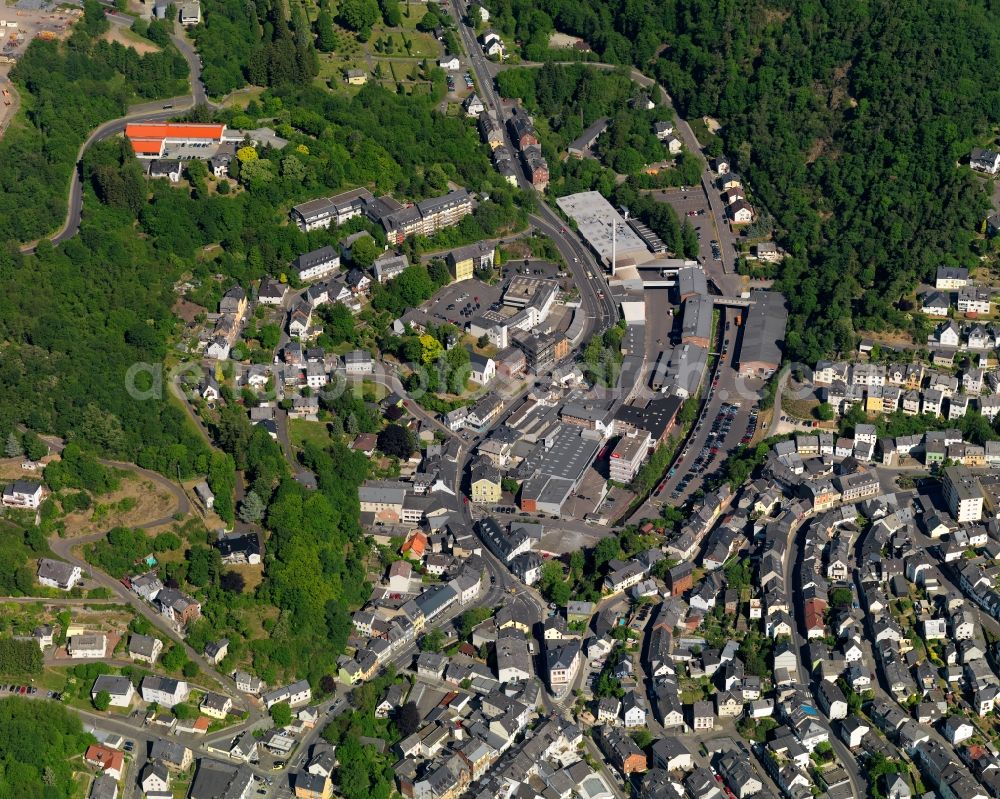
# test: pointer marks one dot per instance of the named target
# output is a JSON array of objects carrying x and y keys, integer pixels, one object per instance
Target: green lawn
[
  {"x": 301, "y": 431},
  {"x": 701, "y": 131},
  {"x": 81, "y": 785},
  {"x": 422, "y": 45}
]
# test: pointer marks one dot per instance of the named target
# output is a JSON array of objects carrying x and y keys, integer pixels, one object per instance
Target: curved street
[
  {"x": 599, "y": 309},
  {"x": 154, "y": 111},
  {"x": 65, "y": 548}
]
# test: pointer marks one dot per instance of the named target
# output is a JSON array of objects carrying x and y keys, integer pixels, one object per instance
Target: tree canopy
[
  {"x": 39, "y": 742},
  {"x": 846, "y": 130}
]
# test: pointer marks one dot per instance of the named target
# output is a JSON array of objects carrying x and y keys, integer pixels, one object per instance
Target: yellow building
[
  {"x": 873, "y": 403},
  {"x": 312, "y": 786},
  {"x": 356, "y": 77},
  {"x": 216, "y": 705},
  {"x": 485, "y": 482},
  {"x": 974, "y": 456},
  {"x": 464, "y": 261}
]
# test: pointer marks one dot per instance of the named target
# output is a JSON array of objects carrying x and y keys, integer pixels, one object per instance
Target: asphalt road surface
[
  {"x": 694, "y": 199},
  {"x": 156, "y": 111},
  {"x": 730, "y": 389}
]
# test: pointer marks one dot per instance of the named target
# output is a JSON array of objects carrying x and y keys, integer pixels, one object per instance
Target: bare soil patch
[
  {"x": 128, "y": 39},
  {"x": 137, "y": 502}
]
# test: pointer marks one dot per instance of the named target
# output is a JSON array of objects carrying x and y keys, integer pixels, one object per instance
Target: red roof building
[
  {"x": 415, "y": 545},
  {"x": 813, "y": 614},
  {"x": 110, "y": 761},
  {"x": 150, "y": 140}
]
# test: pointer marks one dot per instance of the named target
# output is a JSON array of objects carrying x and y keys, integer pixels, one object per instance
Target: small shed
[{"x": 205, "y": 495}]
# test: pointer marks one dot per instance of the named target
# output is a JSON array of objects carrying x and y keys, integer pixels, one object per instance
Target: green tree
[
  {"x": 390, "y": 13},
  {"x": 394, "y": 440},
  {"x": 252, "y": 508},
  {"x": 688, "y": 413},
  {"x": 841, "y": 597},
  {"x": 607, "y": 549},
  {"x": 364, "y": 252},
  {"x": 38, "y": 741},
  {"x": 184, "y": 711},
  {"x": 338, "y": 322},
  {"x": 432, "y": 641},
  {"x": 408, "y": 720},
  {"x": 14, "y": 449},
  {"x": 358, "y": 15},
  {"x": 553, "y": 584},
  {"x": 642, "y": 738},
  {"x": 429, "y": 21},
  {"x": 34, "y": 447},
  {"x": 164, "y": 542},
  {"x": 326, "y": 39},
  {"x": 469, "y": 619},
  {"x": 174, "y": 658},
  {"x": 94, "y": 21},
  {"x": 281, "y": 714},
  {"x": 102, "y": 701}
]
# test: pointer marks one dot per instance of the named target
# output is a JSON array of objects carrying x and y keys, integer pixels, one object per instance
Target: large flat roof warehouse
[
  {"x": 763, "y": 334},
  {"x": 565, "y": 454},
  {"x": 594, "y": 216},
  {"x": 151, "y": 140}
]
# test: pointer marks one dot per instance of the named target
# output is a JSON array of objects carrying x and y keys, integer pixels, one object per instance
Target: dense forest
[
  {"x": 254, "y": 43},
  {"x": 38, "y": 743},
  {"x": 17, "y": 546},
  {"x": 74, "y": 87},
  {"x": 847, "y": 118},
  {"x": 76, "y": 318}
]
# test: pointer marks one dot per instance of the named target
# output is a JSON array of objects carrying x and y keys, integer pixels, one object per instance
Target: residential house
[
  {"x": 144, "y": 648},
  {"x": 216, "y": 705},
  {"x": 87, "y": 646},
  {"x": 23, "y": 494},
  {"x": 119, "y": 688},
  {"x": 164, "y": 691},
  {"x": 111, "y": 762},
  {"x": 57, "y": 574}
]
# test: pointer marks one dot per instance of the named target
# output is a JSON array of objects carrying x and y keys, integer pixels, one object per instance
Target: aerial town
[{"x": 498, "y": 400}]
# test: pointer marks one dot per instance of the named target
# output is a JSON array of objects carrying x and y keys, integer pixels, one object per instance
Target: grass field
[
  {"x": 136, "y": 502},
  {"x": 398, "y": 51},
  {"x": 301, "y": 431},
  {"x": 393, "y": 41},
  {"x": 240, "y": 97},
  {"x": 701, "y": 131}
]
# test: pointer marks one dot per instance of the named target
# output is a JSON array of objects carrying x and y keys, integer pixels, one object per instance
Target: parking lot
[
  {"x": 533, "y": 267},
  {"x": 592, "y": 501},
  {"x": 719, "y": 431},
  {"x": 692, "y": 205},
  {"x": 459, "y": 303},
  {"x": 450, "y": 302},
  {"x": 454, "y": 79},
  {"x": 728, "y": 395}
]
